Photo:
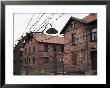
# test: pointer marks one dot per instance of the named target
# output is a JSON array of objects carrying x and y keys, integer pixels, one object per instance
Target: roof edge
[{"x": 69, "y": 21}]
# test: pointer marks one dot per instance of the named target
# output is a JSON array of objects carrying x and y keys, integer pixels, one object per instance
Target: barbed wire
[
  {"x": 67, "y": 31},
  {"x": 38, "y": 19},
  {"x": 44, "y": 22},
  {"x": 86, "y": 40},
  {"x": 28, "y": 23},
  {"x": 51, "y": 23},
  {"x": 42, "y": 25},
  {"x": 32, "y": 25},
  {"x": 25, "y": 28}
]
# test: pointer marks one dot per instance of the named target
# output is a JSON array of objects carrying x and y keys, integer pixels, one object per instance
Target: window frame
[
  {"x": 75, "y": 58},
  {"x": 34, "y": 48},
  {"x": 45, "y": 59},
  {"x": 33, "y": 60},
  {"x": 74, "y": 39},
  {"x": 46, "y": 47},
  {"x": 29, "y": 50},
  {"x": 93, "y": 35}
]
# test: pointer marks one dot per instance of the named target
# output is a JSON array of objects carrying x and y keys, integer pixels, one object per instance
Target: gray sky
[{"x": 22, "y": 23}]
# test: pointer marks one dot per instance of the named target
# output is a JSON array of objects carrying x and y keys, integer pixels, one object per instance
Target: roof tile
[
  {"x": 90, "y": 17},
  {"x": 49, "y": 38}
]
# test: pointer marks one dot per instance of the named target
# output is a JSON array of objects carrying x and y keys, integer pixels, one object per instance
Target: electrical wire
[
  {"x": 38, "y": 19},
  {"x": 44, "y": 22}
]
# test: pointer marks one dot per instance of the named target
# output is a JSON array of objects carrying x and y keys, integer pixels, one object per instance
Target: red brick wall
[
  {"x": 80, "y": 49},
  {"x": 39, "y": 55}
]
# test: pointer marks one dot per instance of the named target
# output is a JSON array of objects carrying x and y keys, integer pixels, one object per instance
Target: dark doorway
[{"x": 94, "y": 60}]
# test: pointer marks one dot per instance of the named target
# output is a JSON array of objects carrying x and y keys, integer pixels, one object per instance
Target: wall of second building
[
  {"x": 54, "y": 56},
  {"x": 40, "y": 64}
]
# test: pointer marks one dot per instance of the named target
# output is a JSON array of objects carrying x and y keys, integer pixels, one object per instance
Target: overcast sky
[{"x": 23, "y": 22}]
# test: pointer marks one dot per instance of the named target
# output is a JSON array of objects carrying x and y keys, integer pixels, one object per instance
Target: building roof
[
  {"x": 49, "y": 38},
  {"x": 69, "y": 22},
  {"x": 91, "y": 17}
]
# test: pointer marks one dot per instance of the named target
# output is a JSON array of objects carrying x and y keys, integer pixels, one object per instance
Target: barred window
[
  {"x": 33, "y": 48},
  {"x": 29, "y": 50},
  {"x": 33, "y": 60},
  {"x": 62, "y": 48},
  {"x": 54, "y": 48},
  {"x": 74, "y": 39},
  {"x": 26, "y": 51},
  {"x": 46, "y": 48},
  {"x": 46, "y": 59},
  {"x": 28, "y": 60},
  {"x": 93, "y": 34},
  {"x": 21, "y": 53},
  {"x": 74, "y": 58},
  {"x": 25, "y": 60}
]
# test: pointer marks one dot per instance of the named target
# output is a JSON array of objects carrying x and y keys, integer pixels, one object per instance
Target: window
[
  {"x": 62, "y": 48},
  {"x": 74, "y": 58},
  {"x": 31, "y": 39},
  {"x": 33, "y": 60},
  {"x": 28, "y": 41},
  {"x": 54, "y": 48},
  {"x": 20, "y": 61},
  {"x": 93, "y": 34},
  {"x": 46, "y": 59},
  {"x": 26, "y": 51},
  {"x": 21, "y": 53},
  {"x": 93, "y": 60},
  {"x": 29, "y": 60},
  {"x": 61, "y": 59},
  {"x": 74, "y": 25},
  {"x": 33, "y": 48},
  {"x": 25, "y": 61},
  {"x": 46, "y": 48},
  {"x": 74, "y": 39},
  {"x": 29, "y": 50}
]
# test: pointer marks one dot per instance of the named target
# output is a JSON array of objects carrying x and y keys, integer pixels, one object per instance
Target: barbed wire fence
[{"x": 84, "y": 39}]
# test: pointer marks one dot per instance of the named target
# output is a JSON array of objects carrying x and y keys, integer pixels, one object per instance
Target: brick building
[
  {"x": 80, "y": 45},
  {"x": 41, "y": 53},
  {"x": 17, "y": 54}
]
